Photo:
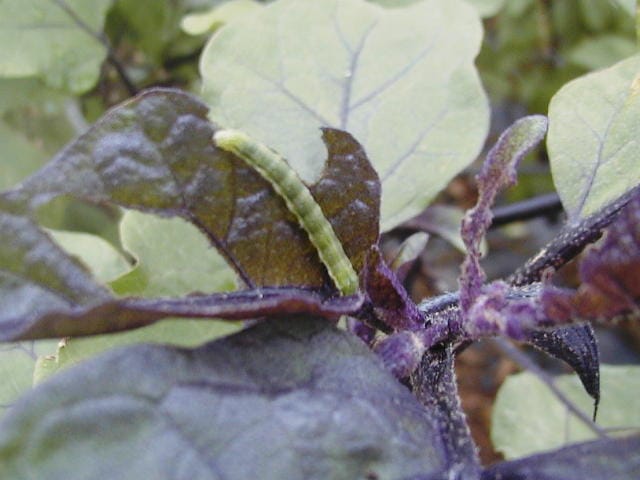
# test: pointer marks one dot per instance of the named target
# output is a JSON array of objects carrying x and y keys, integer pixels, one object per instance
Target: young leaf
[
  {"x": 53, "y": 40},
  {"x": 593, "y": 147},
  {"x": 364, "y": 69},
  {"x": 528, "y": 418},
  {"x": 155, "y": 153},
  {"x": 599, "y": 460},
  {"x": 285, "y": 399},
  {"x": 498, "y": 172}
]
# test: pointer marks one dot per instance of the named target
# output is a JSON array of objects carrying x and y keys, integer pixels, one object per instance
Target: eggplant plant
[{"x": 292, "y": 348}]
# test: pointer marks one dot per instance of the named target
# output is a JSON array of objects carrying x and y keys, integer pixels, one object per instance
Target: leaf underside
[{"x": 379, "y": 74}]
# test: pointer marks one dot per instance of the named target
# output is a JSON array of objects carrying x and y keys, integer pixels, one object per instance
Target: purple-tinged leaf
[
  {"x": 609, "y": 274},
  {"x": 155, "y": 153},
  {"x": 46, "y": 293},
  {"x": 348, "y": 191},
  {"x": 577, "y": 346},
  {"x": 390, "y": 301},
  {"x": 400, "y": 352},
  {"x": 616, "y": 459},
  {"x": 114, "y": 315},
  {"x": 36, "y": 276},
  {"x": 434, "y": 384},
  {"x": 497, "y": 173},
  {"x": 292, "y": 398}
]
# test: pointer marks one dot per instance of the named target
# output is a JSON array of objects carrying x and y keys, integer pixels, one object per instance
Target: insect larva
[{"x": 273, "y": 168}]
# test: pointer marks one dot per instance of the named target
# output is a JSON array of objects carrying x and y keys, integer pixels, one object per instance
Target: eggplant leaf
[
  {"x": 383, "y": 75},
  {"x": 498, "y": 172},
  {"x": 593, "y": 138},
  {"x": 155, "y": 153},
  {"x": 528, "y": 417},
  {"x": 285, "y": 399},
  {"x": 46, "y": 40},
  {"x": 599, "y": 460}
]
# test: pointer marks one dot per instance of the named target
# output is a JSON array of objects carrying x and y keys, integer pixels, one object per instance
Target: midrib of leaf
[
  {"x": 599, "y": 160},
  {"x": 412, "y": 149},
  {"x": 347, "y": 87}
]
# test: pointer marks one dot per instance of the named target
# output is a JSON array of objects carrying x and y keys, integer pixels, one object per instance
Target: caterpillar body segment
[{"x": 286, "y": 182}]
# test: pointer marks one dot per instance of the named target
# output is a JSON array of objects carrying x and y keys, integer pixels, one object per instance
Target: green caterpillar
[{"x": 299, "y": 201}]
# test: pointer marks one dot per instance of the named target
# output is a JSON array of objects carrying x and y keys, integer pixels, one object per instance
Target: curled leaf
[{"x": 497, "y": 173}]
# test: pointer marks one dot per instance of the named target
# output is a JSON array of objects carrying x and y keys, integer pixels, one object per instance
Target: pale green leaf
[
  {"x": 17, "y": 362},
  {"x": 402, "y": 81},
  {"x": 173, "y": 258},
  {"x": 601, "y": 51},
  {"x": 18, "y": 157},
  {"x": 207, "y": 22},
  {"x": 528, "y": 418},
  {"x": 593, "y": 139},
  {"x": 45, "y": 39},
  {"x": 102, "y": 259}
]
